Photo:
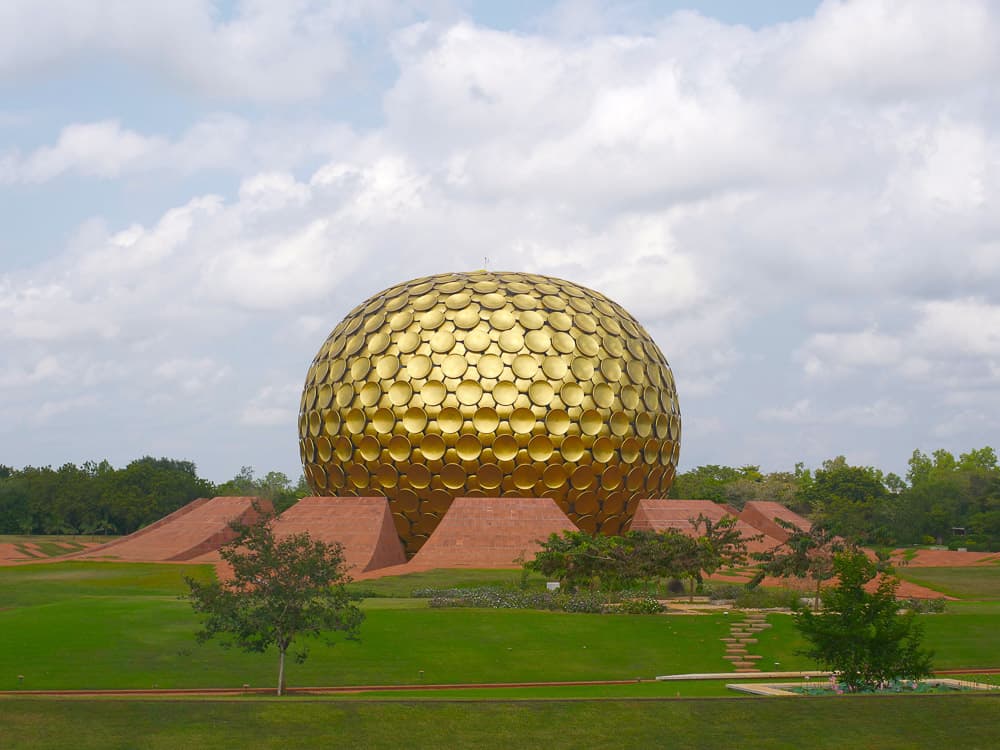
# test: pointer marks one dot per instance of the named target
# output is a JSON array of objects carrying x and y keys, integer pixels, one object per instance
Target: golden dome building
[{"x": 488, "y": 384}]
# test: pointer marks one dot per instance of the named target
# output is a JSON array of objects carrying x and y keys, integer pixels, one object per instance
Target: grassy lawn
[
  {"x": 893, "y": 722},
  {"x": 405, "y": 585},
  {"x": 120, "y": 625},
  {"x": 90, "y": 625},
  {"x": 964, "y": 583},
  {"x": 42, "y": 547}
]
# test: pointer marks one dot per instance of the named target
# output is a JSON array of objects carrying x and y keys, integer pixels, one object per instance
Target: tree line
[
  {"x": 97, "y": 498},
  {"x": 942, "y": 499},
  {"x": 580, "y": 559}
]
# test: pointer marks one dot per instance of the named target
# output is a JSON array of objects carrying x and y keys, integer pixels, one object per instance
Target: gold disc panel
[{"x": 486, "y": 385}]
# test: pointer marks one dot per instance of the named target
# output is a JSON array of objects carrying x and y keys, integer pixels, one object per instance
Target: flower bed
[{"x": 493, "y": 597}]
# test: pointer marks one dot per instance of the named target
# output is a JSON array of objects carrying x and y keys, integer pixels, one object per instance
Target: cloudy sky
[{"x": 799, "y": 200}]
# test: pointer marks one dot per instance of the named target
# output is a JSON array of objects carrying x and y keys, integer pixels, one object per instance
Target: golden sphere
[{"x": 485, "y": 385}]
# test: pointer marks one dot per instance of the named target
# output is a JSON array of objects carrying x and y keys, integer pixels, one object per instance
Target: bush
[
  {"x": 726, "y": 591},
  {"x": 924, "y": 606},
  {"x": 495, "y": 597},
  {"x": 645, "y": 605},
  {"x": 675, "y": 586},
  {"x": 760, "y": 598}
]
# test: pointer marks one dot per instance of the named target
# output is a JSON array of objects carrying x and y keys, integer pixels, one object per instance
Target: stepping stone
[{"x": 746, "y": 641}]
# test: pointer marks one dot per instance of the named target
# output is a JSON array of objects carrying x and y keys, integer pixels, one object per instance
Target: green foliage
[
  {"x": 849, "y": 501},
  {"x": 96, "y": 498},
  {"x": 274, "y": 486},
  {"x": 926, "y": 606},
  {"x": 578, "y": 559},
  {"x": 860, "y": 634},
  {"x": 642, "y": 605},
  {"x": 498, "y": 597},
  {"x": 804, "y": 554},
  {"x": 744, "y": 597},
  {"x": 280, "y": 589}
]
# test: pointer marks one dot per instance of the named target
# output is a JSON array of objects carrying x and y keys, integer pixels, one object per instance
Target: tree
[
  {"x": 280, "y": 589},
  {"x": 709, "y": 482},
  {"x": 861, "y": 635},
  {"x": 804, "y": 554},
  {"x": 718, "y": 544},
  {"x": 849, "y": 500}
]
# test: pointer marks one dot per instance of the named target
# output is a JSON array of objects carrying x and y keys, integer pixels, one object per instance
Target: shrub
[
  {"x": 675, "y": 586},
  {"x": 727, "y": 591},
  {"x": 861, "y": 634},
  {"x": 924, "y": 606},
  {"x": 495, "y": 597},
  {"x": 645, "y": 605},
  {"x": 768, "y": 598}
]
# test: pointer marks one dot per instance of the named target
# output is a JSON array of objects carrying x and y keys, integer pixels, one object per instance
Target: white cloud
[
  {"x": 893, "y": 48},
  {"x": 969, "y": 327},
  {"x": 262, "y": 51},
  {"x": 837, "y": 353},
  {"x": 880, "y": 413},
  {"x": 105, "y": 150},
  {"x": 46, "y": 368},
  {"x": 818, "y": 196},
  {"x": 950, "y": 341},
  {"x": 272, "y": 405},
  {"x": 192, "y": 375},
  {"x": 49, "y": 410}
]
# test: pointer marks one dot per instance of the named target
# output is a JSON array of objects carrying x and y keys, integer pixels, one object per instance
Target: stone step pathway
[{"x": 743, "y": 635}]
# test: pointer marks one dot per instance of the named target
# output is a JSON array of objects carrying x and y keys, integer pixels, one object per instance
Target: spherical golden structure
[{"x": 490, "y": 384}]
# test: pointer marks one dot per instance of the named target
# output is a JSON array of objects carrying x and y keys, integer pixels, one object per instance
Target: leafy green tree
[
  {"x": 722, "y": 544},
  {"x": 861, "y": 635},
  {"x": 804, "y": 554},
  {"x": 575, "y": 558},
  {"x": 946, "y": 493},
  {"x": 780, "y": 486},
  {"x": 851, "y": 501},
  {"x": 280, "y": 590},
  {"x": 274, "y": 486},
  {"x": 710, "y": 482}
]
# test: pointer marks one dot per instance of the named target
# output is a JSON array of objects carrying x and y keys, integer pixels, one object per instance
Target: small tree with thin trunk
[
  {"x": 804, "y": 554},
  {"x": 280, "y": 590},
  {"x": 719, "y": 544},
  {"x": 861, "y": 634}
]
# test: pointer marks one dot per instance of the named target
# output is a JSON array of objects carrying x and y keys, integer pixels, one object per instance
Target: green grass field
[
  {"x": 117, "y": 625},
  {"x": 891, "y": 723},
  {"x": 964, "y": 583},
  {"x": 43, "y": 547}
]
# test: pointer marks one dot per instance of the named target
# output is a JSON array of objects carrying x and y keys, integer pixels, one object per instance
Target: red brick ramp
[
  {"x": 660, "y": 515},
  {"x": 200, "y": 527},
  {"x": 363, "y": 525},
  {"x": 761, "y": 514},
  {"x": 481, "y": 532},
  {"x": 944, "y": 558}
]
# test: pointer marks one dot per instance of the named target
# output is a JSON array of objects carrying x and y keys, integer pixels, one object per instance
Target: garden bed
[{"x": 826, "y": 688}]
